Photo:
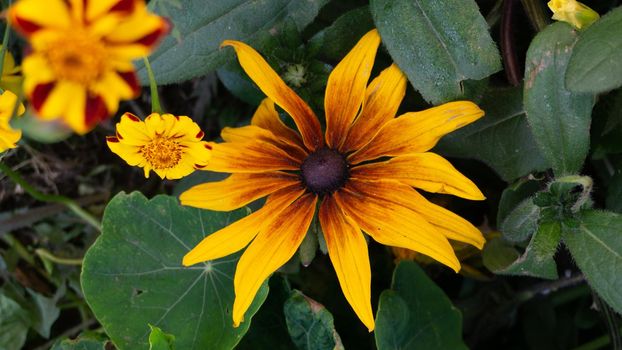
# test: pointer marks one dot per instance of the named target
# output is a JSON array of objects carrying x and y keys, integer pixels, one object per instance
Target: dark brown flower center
[{"x": 324, "y": 171}]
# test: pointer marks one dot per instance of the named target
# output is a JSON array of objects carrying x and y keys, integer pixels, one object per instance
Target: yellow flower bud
[{"x": 573, "y": 12}]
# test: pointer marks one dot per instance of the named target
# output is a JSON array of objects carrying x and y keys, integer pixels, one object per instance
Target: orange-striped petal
[
  {"x": 449, "y": 224},
  {"x": 249, "y": 157},
  {"x": 393, "y": 224},
  {"x": 273, "y": 86},
  {"x": 237, "y": 235},
  {"x": 274, "y": 246},
  {"x": 417, "y": 131},
  {"x": 427, "y": 171},
  {"x": 382, "y": 99},
  {"x": 347, "y": 249},
  {"x": 267, "y": 117},
  {"x": 236, "y": 191},
  {"x": 253, "y": 132},
  {"x": 345, "y": 89}
]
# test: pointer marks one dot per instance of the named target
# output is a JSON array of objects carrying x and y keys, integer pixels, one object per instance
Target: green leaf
[
  {"x": 521, "y": 222},
  {"x": 44, "y": 311},
  {"x": 81, "y": 343},
  {"x": 202, "y": 28},
  {"x": 597, "y": 249},
  {"x": 537, "y": 260},
  {"x": 416, "y": 314},
  {"x": 13, "y": 324},
  {"x": 595, "y": 63},
  {"x": 437, "y": 44},
  {"x": 132, "y": 276},
  {"x": 310, "y": 325},
  {"x": 158, "y": 340},
  {"x": 502, "y": 138},
  {"x": 498, "y": 254},
  {"x": 334, "y": 42},
  {"x": 559, "y": 119},
  {"x": 512, "y": 196},
  {"x": 270, "y": 319}
]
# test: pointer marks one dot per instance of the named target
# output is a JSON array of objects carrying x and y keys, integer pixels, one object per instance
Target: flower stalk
[{"x": 153, "y": 86}]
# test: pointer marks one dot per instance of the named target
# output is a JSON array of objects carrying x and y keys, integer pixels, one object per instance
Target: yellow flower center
[
  {"x": 162, "y": 153},
  {"x": 77, "y": 57}
]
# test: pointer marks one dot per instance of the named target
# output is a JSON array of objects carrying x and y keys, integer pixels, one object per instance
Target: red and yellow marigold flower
[
  {"x": 80, "y": 64},
  {"x": 170, "y": 145},
  {"x": 362, "y": 172},
  {"x": 9, "y": 136}
]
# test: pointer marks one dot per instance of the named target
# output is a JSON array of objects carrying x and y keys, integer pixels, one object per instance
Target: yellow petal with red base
[
  {"x": 30, "y": 16},
  {"x": 275, "y": 244},
  {"x": 266, "y": 117},
  {"x": 236, "y": 191},
  {"x": 9, "y": 136},
  {"x": 393, "y": 224},
  {"x": 347, "y": 249},
  {"x": 382, "y": 99},
  {"x": 255, "y": 133},
  {"x": 250, "y": 157},
  {"x": 237, "y": 235},
  {"x": 418, "y": 131},
  {"x": 427, "y": 171},
  {"x": 273, "y": 86},
  {"x": 447, "y": 223},
  {"x": 345, "y": 89}
]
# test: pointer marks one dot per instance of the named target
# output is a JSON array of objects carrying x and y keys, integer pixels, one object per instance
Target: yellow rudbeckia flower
[
  {"x": 362, "y": 172},
  {"x": 573, "y": 12},
  {"x": 9, "y": 136},
  {"x": 167, "y": 144},
  {"x": 80, "y": 65}
]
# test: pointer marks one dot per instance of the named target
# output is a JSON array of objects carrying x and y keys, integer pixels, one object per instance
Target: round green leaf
[{"x": 132, "y": 276}]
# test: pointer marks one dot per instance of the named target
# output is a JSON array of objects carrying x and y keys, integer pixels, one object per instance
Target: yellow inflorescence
[{"x": 573, "y": 12}]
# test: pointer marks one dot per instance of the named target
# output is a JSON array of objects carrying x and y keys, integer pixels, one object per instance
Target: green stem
[
  {"x": 5, "y": 42},
  {"x": 598, "y": 343},
  {"x": 47, "y": 255},
  {"x": 69, "y": 203},
  {"x": 153, "y": 85}
]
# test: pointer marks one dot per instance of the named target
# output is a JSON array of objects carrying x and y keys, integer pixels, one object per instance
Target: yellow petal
[
  {"x": 30, "y": 16},
  {"x": 345, "y": 89},
  {"x": 417, "y": 132},
  {"x": 394, "y": 225},
  {"x": 449, "y": 224},
  {"x": 132, "y": 130},
  {"x": 236, "y": 191},
  {"x": 266, "y": 117},
  {"x": 253, "y": 132},
  {"x": 237, "y": 235},
  {"x": 382, "y": 99},
  {"x": 347, "y": 249},
  {"x": 274, "y": 246},
  {"x": 427, "y": 171},
  {"x": 273, "y": 86},
  {"x": 249, "y": 157}
]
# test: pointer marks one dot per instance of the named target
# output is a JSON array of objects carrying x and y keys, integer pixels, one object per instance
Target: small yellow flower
[
  {"x": 11, "y": 74},
  {"x": 8, "y": 136},
  {"x": 362, "y": 172},
  {"x": 573, "y": 12},
  {"x": 81, "y": 66},
  {"x": 167, "y": 144}
]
